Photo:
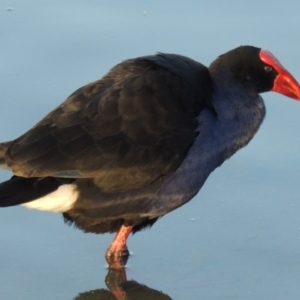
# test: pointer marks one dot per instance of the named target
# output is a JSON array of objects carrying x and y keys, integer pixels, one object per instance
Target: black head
[{"x": 244, "y": 66}]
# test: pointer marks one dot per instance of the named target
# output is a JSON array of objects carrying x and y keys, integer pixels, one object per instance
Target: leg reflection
[{"x": 119, "y": 288}]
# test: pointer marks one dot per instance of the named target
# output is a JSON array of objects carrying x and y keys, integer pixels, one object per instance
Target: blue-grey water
[{"x": 239, "y": 238}]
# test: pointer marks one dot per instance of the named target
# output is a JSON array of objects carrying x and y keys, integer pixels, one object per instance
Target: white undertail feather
[{"x": 60, "y": 200}]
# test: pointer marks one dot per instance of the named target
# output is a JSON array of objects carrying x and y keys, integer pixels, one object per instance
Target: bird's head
[{"x": 257, "y": 70}]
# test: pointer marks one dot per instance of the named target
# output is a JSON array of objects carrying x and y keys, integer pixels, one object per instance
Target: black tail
[{"x": 19, "y": 190}]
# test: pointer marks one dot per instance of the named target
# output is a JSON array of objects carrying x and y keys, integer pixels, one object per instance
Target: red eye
[{"x": 268, "y": 69}]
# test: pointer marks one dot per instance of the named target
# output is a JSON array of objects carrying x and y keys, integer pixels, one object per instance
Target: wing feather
[{"x": 126, "y": 130}]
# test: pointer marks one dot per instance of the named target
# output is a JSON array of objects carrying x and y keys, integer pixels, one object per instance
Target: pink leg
[{"x": 117, "y": 253}]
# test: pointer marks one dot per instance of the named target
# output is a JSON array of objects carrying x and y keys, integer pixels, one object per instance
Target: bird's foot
[
  {"x": 117, "y": 258},
  {"x": 117, "y": 253}
]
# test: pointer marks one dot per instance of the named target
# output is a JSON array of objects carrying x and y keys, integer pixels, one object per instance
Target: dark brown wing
[{"x": 126, "y": 130}]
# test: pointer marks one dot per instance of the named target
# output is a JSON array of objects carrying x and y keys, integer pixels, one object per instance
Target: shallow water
[{"x": 239, "y": 238}]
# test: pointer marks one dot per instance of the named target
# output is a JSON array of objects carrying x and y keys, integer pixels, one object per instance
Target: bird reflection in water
[{"x": 119, "y": 288}]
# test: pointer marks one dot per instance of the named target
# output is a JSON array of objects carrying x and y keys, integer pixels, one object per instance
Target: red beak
[{"x": 284, "y": 83}]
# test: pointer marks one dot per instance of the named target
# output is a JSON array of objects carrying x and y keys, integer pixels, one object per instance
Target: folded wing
[{"x": 125, "y": 131}]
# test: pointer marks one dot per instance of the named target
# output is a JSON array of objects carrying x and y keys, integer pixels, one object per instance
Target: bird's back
[{"x": 117, "y": 138}]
